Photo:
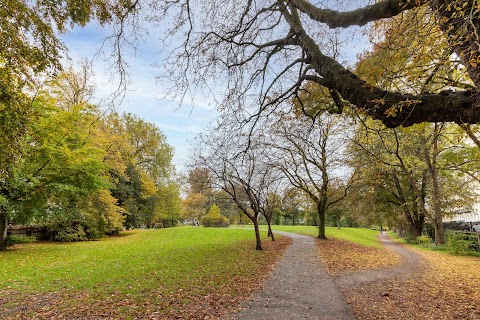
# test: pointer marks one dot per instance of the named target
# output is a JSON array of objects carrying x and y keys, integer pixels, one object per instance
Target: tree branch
[{"x": 359, "y": 17}]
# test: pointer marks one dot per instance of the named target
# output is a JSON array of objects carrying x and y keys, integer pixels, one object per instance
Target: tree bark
[
  {"x": 270, "y": 232},
  {"x": 321, "y": 222},
  {"x": 359, "y": 17},
  {"x": 436, "y": 196},
  {"x": 257, "y": 235},
  {"x": 3, "y": 230},
  {"x": 392, "y": 108}
]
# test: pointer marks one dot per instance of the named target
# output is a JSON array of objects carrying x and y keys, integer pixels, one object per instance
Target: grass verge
[
  {"x": 361, "y": 236},
  {"x": 179, "y": 272}
]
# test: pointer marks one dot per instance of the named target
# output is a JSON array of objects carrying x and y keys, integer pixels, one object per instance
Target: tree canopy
[{"x": 261, "y": 53}]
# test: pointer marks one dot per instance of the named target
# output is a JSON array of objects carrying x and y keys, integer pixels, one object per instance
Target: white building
[{"x": 467, "y": 216}]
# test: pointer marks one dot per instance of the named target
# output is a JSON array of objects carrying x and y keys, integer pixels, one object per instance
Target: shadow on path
[
  {"x": 298, "y": 288},
  {"x": 411, "y": 263}
]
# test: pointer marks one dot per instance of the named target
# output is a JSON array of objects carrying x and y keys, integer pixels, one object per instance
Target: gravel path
[
  {"x": 411, "y": 262},
  {"x": 298, "y": 288}
]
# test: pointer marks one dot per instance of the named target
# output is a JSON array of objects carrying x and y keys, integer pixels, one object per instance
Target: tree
[
  {"x": 310, "y": 156},
  {"x": 194, "y": 206},
  {"x": 146, "y": 171},
  {"x": 414, "y": 166},
  {"x": 200, "y": 194},
  {"x": 267, "y": 50},
  {"x": 60, "y": 176},
  {"x": 168, "y": 209},
  {"x": 236, "y": 169},
  {"x": 292, "y": 201},
  {"x": 214, "y": 218}
]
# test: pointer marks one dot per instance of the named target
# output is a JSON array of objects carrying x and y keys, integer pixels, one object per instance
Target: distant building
[{"x": 467, "y": 215}]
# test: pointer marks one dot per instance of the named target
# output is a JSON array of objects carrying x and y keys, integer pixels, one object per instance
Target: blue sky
[{"x": 144, "y": 96}]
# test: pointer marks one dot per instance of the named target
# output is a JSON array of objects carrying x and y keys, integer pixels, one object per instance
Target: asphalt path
[{"x": 298, "y": 288}]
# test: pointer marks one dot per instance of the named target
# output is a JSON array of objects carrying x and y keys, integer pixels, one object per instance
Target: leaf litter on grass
[
  {"x": 448, "y": 288},
  {"x": 193, "y": 296},
  {"x": 340, "y": 256}
]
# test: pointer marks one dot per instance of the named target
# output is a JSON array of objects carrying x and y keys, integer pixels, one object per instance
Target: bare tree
[
  {"x": 237, "y": 169},
  {"x": 261, "y": 53},
  {"x": 311, "y": 157}
]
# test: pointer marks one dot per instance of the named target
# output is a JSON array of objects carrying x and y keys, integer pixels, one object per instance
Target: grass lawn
[
  {"x": 138, "y": 274},
  {"x": 361, "y": 236}
]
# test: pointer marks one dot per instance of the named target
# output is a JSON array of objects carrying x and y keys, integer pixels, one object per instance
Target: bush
[
  {"x": 462, "y": 243},
  {"x": 214, "y": 218},
  {"x": 418, "y": 240},
  {"x": 69, "y": 231},
  {"x": 12, "y": 240}
]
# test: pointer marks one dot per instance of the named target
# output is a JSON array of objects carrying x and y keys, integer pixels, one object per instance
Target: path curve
[
  {"x": 298, "y": 288},
  {"x": 412, "y": 262}
]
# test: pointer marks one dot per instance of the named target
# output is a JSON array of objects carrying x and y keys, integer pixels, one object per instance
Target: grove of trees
[
  {"x": 391, "y": 139},
  {"x": 77, "y": 172}
]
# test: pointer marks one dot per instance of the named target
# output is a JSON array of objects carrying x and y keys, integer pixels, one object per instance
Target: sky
[{"x": 144, "y": 95}]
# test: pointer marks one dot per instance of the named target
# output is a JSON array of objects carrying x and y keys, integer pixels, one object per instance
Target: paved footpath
[
  {"x": 411, "y": 263},
  {"x": 298, "y": 288}
]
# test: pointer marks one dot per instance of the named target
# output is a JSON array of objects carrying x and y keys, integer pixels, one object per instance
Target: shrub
[
  {"x": 12, "y": 240},
  {"x": 214, "y": 218},
  {"x": 462, "y": 243},
  {"x": 419, "y": 240},
  {"x": 72, "y": 230}
]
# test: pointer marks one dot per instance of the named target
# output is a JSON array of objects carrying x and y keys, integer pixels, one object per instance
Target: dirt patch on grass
[
  {"x": 340, "y": 256},
  {"x": 201, "y": 298}
]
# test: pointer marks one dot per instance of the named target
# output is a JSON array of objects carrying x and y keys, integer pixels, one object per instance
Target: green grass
[
  {"x": 135, "y": 261},
  {"x": 361, "y": 236},
  {"x": 424, "y": 243}
]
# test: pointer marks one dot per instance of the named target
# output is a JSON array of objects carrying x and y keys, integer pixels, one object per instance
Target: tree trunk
[
  {"x": 439, "y": 231},
  {"x": 321, "y": 222},
  {"x": 418, "y": 224},
  {"x": 436, "y": 196},
  {"x": 270, "y": 232},
  {"x": 415, "y": 224},
  {"x": 257, "y": 235},
  {"x": 3, "y": 230}
]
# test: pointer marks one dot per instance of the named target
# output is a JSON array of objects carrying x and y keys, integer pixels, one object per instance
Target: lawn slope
[{"x": 178, "y": 272}]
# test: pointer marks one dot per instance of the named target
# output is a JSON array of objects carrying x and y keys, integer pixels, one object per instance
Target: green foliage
[
  {"x": 462, "y": 243},
  {"x": 144, "y": 184},
  {"x": 418, "y": 240},
  {"x": 61, "y": 159},
  {"x": 13, "y": 240},
  {"x": 214, "y": 218},
  {"x": 29, "y": 31}
]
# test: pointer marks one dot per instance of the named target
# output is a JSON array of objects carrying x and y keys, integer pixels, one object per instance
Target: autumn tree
[
  {"x": 263, "y": 51},
  {"x": 415, "y": 165},
  {"x": 146, "y": 156},
  {"x": 380, "y": 192},
  {"x": 200, "y": 195},
  {"x": 310, "y": 155},
  {"x": 214, "y": 218},
  {"x": 237, "y": 169}
]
